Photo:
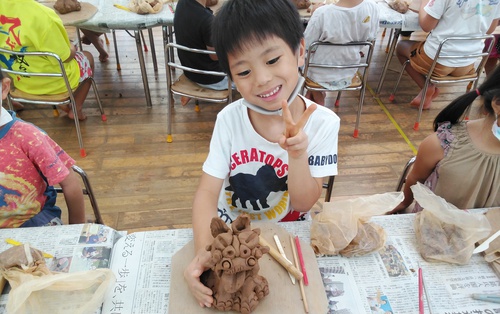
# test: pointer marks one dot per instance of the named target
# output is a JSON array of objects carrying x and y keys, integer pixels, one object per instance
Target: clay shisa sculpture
[{"x": 234, "y": 274}]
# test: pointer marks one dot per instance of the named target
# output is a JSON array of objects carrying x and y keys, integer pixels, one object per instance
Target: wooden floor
[{"x": 144, "y": 183}]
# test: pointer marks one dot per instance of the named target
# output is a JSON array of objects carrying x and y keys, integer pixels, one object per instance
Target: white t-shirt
[
  {"x": 334, "y": 24},
  {"x": 459, "y": 18},
  {"x": 255, "y": 171}
]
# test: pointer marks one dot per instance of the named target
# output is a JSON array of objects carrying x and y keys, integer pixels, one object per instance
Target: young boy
[
  {"x": 268, "y": 157},
  {"x": 341, "y": 22},
  {"x": 30, "y": 163}
]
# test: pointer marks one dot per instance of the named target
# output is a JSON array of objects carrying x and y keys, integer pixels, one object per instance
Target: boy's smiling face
[{"x": 266, "y": 72}]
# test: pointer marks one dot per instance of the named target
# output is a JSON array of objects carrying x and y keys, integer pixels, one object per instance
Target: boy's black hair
[
  {"x": 489, "y": 89},
  {"x": 241, "y": 22}
]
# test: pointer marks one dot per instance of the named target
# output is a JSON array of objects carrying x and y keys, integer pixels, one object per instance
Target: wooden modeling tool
[
  {"x": 280, "y": 259},
  {"x": 301, "y": 281}
]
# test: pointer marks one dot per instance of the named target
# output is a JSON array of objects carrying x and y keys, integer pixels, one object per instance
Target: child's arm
[
  {"x": 429, "y": 154},
  {"x": 204, "y": 209},
  {"x": 426, "y": 21},
  {"x": 72, "y": 53},
  {"x": 74, "y": 198},
  {"x": 304, "y": 190}
]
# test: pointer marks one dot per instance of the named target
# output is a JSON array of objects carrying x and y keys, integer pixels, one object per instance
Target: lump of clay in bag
[
  {"x": 234, "y": 277},
  {"x": 16, "y": 256},
  {"x": 370, "y": 238},
  {"x": 67, "y": 6},
  {"x": 440, "y": 241}
]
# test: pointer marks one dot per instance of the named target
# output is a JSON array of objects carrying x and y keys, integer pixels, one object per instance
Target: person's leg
[
  {"x": 86, "y": 64},
  {"x": 96, "y": 40},
  {"x": 404, "y": 50},
  {"x": 490, "y": 65},
  {"x": 318, "y": 97}
]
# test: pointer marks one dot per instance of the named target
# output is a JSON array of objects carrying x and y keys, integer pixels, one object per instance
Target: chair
[
  {"x": 184, "y": 87},
  {"x": 359, "y": 80},
  {"x": 87, "y": 190},
  {"x": 66, "y": 98},
  {"x": 329, "y": 187},
  {"x": 406, "y": 169},
  {"x": 471, "y": 79}
]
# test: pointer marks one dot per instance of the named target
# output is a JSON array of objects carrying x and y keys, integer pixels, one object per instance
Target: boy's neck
[{"x": 348, "y": 3}]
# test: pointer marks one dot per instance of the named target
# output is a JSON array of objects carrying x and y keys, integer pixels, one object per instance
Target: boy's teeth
[{"x": 271, "y": 93}]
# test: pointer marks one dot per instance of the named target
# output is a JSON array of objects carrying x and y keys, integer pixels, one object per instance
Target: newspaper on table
[
  {"x": 381, "y": 282},
  {"x": 387, "y": 281}
]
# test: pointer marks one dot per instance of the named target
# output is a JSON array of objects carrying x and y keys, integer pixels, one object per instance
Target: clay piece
[
  {"x": 67, "y": 6},
  {"x": 234, "y": 269},
  {"x": 302, "y": 4}
]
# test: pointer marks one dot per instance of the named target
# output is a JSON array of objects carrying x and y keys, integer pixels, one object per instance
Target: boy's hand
[
  {"x": 192, "y": 274},
  {"x": 294, "y": 140}
]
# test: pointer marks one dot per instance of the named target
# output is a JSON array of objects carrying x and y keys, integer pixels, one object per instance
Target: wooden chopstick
[
  {"x": 301, "y": 281},
  {"x": 280, "y": 259}
]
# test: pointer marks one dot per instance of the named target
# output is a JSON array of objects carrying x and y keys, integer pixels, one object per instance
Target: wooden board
[
  {"x": 492, "y": 254},
  {"x": 87, "y": 11},
  {"x": 284, "y": 297}
]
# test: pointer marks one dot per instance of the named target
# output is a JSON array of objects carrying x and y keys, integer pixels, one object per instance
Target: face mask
[{"x": 496, "y": 129}]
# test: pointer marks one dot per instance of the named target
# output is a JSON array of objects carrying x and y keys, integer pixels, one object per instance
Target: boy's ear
[{"x": 302, "y": 52}]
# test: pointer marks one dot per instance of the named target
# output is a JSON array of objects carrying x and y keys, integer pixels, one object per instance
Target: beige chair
[
  {"x": 182, "y": 86},
  {"x": 87, "y": 190},
  {"x": 359, "y": 80},
  {"x": 66, "y": 98},
  {"x": 470, "y": 79}
]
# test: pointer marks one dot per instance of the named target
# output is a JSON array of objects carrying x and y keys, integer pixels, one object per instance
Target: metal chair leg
[
  {"x": 391, "y": 97},
  {"x": 337, "y": 101},
  {"x": 329, "y": 188},
  {"x": 118, "y": 67}
]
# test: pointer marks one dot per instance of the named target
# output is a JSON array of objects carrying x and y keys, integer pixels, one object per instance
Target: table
[
  {"x": 363, "y": 284},
  {"x": 110, "y": 18}
]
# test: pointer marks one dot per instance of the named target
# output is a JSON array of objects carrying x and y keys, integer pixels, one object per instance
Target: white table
[
  {"x": 109, "y": 18},
  {"x": 351, "y": 283}
]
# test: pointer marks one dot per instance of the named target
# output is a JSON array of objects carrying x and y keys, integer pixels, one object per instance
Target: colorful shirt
[
  {"x": 26, "y": 25},
  {"x": 255, "y": 171},
  {"x": 27, "y": 156}
]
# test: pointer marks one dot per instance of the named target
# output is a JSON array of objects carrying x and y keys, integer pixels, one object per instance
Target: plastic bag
[
  {"x": 344, "y": 223},
  {"x": 145, "y": 6},
  {"x": 34, "y": 289},
  {"x": 444, "y": 232}
]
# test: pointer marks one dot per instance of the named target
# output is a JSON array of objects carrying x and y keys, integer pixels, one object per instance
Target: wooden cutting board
[
  {"x": 284, "y": 297},
  {"x": 87, "y": 11},
  {"x": 492, "y": 254}
]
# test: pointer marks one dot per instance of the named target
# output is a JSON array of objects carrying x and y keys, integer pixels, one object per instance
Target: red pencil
[{"x": 301, "y": 260}]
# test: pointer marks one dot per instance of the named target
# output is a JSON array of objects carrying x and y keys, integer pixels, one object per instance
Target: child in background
[
  {"x": 443, "y": 19},
  {"x": 492, "y": 61},
  {"x": 343, "y": 22},
  {"x": 268, "y": 157},
  {"x": 30, "y": 164},
  {"x": 30, "y": 26},
  {"x": 461, "y": 161},
  {"x": 94, "y": 38}
]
